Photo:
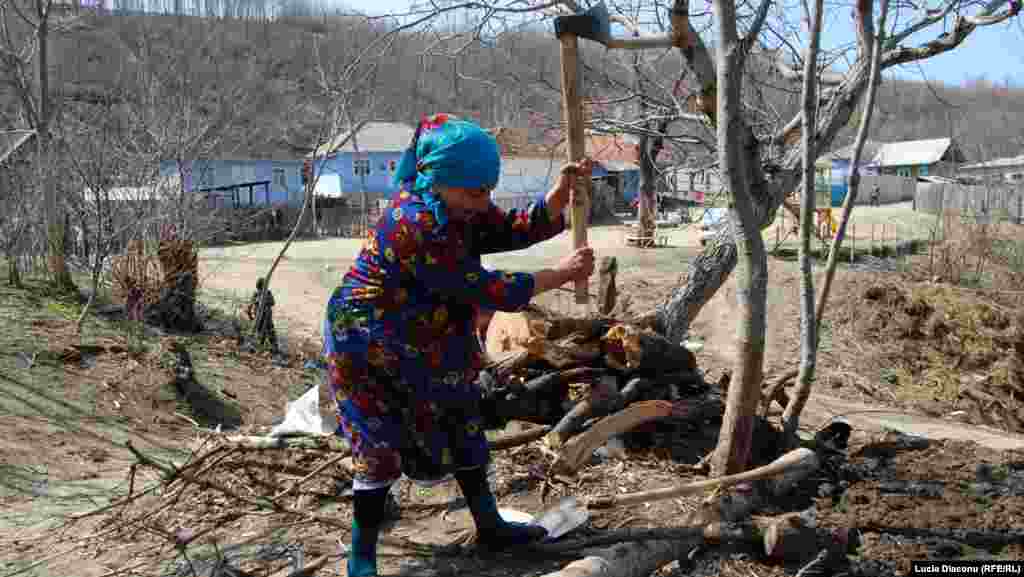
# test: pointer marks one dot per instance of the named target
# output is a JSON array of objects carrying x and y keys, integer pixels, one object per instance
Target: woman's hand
[
  {"x": 558, "y": 196},
  {"x": 577, "y": 266}
]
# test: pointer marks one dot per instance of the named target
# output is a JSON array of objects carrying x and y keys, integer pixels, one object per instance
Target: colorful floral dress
[{"x": 399, "y": 336}]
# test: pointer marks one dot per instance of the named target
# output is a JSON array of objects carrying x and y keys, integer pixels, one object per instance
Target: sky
[{"x": 995, "y": 52}]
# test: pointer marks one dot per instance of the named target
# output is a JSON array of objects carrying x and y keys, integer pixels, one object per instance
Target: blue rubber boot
[
  {"x": 369, "y": 509},
  {"x": 492, "y": 531}
]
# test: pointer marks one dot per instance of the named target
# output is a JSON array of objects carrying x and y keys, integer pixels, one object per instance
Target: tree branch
[
  {"x": 755, "y": 27},
  {"x": 962, "y": 28}
]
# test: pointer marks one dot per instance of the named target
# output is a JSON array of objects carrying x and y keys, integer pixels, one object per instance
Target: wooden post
[
  {"x": 607, "y": 292},
  {"x": 931, "y": 255},
  {"x": 853, "y": 242},
  {"x": 572, "y": 111}
]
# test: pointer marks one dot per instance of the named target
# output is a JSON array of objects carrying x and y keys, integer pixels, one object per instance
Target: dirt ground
[{"x": 70, "y": 402}]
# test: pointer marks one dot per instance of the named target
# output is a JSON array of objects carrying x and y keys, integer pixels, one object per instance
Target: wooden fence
[{"x": 996, "y": 203}]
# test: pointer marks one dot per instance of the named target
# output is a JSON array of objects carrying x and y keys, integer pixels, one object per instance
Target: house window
[
  {"x": 280, "y": 182},
  {"x": 243, "y": 173},
  {"x": 361, "y": 166},
  {"x": 206, "y": 176},
  {"x": 924, "y": 170}
]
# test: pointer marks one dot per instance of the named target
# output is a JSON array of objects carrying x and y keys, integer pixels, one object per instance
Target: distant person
[
  {"x": 876, "y": 196},
  {"x": 264, "y": 318}
]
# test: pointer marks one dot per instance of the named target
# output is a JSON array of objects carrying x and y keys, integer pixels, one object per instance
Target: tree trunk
[
  {"x": 55, "y": 246},
  {"x": 13, "y": 274},
  {"x": 647, "y": 204},
  {"x": 808, "y": 340},
  {"x": 709, "y": 270},
  {"x": 707, "y": 273},
  {"x": 858, "y": 148},
  {"x": 734, "y": 442}
]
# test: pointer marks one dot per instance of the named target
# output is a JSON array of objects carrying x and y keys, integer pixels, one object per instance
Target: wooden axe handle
[
  {"x": 788, "y": 461},
  {"x": 572, "y": 109}
]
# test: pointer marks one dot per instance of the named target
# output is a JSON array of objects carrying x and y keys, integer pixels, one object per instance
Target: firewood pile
[
  {"x": 590, "y": 379},
  {"x": 135, "y": 270}
]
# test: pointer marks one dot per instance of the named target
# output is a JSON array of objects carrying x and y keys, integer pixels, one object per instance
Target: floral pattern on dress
[{"x": 399, "y": 342}]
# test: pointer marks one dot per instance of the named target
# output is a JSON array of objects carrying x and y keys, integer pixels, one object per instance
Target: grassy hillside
[{"x": 268, "y": 86}]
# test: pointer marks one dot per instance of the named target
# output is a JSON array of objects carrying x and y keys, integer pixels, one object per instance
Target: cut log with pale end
[
  {"x": 507, "y": 333},
  {"x": 560, "y": 341},
  {"x": 800, "y": 460},
  {"x": 603, "y": 399},
  {"x": 629, "y": 348},
  {"x": 577, "y": 452}
]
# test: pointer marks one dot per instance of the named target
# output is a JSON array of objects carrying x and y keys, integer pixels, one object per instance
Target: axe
[
  {"x": 569, "y": 514},
  {"x": 595, "y": 25}
]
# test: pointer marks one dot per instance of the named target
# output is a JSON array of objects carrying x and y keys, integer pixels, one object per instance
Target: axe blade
[{"x": 594, "y": 24}]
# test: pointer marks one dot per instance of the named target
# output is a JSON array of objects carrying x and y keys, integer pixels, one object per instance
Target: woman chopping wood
[{"x": 400, "y": 336}]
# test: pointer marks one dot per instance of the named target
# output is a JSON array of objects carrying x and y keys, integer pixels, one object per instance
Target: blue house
[
  {"x": 241, "y": 182},
  {"x": 365, "y": 163}
]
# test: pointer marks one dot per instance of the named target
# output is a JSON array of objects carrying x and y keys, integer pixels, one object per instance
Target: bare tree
[
  {"x": 18, "y": 203},
  {"x": 350, "y": 88},
  {"x": 26, "y": 27},
  {"x": 791, "y": 415},
  {"x": 808, "y": 339},
  {"x": 113, "y": 184},
  {"x": 708, "y": 272},
  {"x": 757, "y": 193}
]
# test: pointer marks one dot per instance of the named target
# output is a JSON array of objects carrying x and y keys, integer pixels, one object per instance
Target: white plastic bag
[{"x": 303, "y": 416}]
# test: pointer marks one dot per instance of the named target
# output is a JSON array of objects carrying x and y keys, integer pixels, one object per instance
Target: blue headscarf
[{"x": 450, "y": 152}]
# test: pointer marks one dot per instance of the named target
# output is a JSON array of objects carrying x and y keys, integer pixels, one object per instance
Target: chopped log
[
  {"x": 797, "y": 459},
  {"x": 509, "y": 332},
  {"x": 787, "y": 537},
  {"x": 633, "y": 389},
  {"x": 573, "y": 350},
  {"x": 628, "y": 348},
  {"x": 563, "y": 378},
  {"x": 577, "y": 451},
  {"x": 604, "y": 400},
  {"x": 516, "y": 439},
  {"x": 607, "y": 292}
]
